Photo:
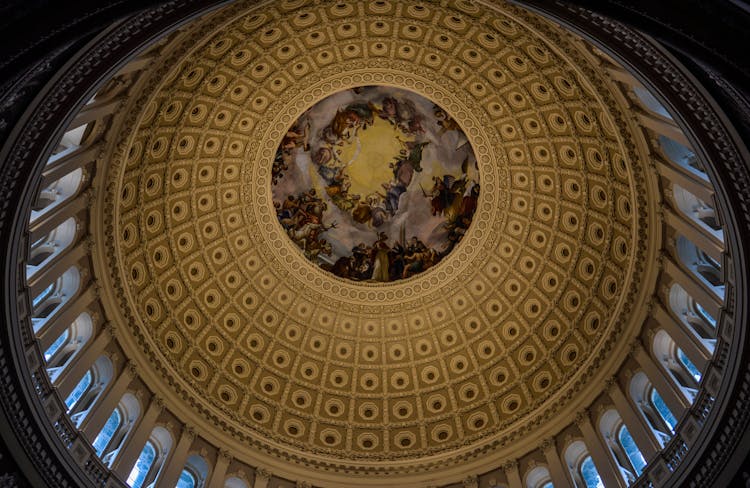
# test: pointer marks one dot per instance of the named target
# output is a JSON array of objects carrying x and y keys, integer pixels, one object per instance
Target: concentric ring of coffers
[{"x": 522, "y": 313}]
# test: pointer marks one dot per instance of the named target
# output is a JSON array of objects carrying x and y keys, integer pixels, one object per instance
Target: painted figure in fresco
[
  {"x": 445, "y": 121},
  {"x": 296, "y": 137},
  {"x": 304, "y": 212},
  {"x": 380, "y": 265}
]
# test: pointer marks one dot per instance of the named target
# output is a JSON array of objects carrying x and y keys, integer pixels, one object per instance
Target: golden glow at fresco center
[{"x": 375, "y": 184}]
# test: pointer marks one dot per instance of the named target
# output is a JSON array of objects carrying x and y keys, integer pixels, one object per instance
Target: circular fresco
[{"x": 375, "y": 184}]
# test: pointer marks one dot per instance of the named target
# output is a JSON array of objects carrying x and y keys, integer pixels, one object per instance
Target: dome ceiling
[{"x": 266, "y": 342}]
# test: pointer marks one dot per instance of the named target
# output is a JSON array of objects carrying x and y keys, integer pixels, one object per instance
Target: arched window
[
  {"x": 87, "y": 390},
  {"x": 108, "y": 431},
  {"x": 235, "y": 482},
  {"x": 688, "y": 365},
  {"x": 68, "y": 344},
  {"x": 142, "y": 466},
  {"x": 703, "y": 266},
  {"x": 622, "y": 448},
  {"x": 631, "y": 450},
  {"x": 700, "y": 212},
  {"x": 682, "y": 156},
  {"x": 151, "y": 459},
  {"x": 128, "y": 410},
  {"x": 53, "y": 244},
  {"x": 652, "y": 407},
  {"x": 538, "y": 477},
  {"x": 589, "y": 474},
  {"x": 57, "y": 192},
  {"x": 195, "y": 473},
  {"x": 657, "y": 402},
  {"x": 650, "y": 102},
  {"x": 54, "y": 295},
  {"x": 692, "y": 314},
  {"x": 70, "y": 141},
  {"x": 55, "y": 346},
  {"x": 685, "y": 374},
  {"x": 81, "y": 388},
  {"x": 187, "y": 480},
  {"x": 581, "y": 467}
]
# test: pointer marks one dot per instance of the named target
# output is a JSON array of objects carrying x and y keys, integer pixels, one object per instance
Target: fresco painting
[{"x": 375, "y": 184}]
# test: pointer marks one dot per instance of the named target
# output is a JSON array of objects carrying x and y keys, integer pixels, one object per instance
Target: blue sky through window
[
  {"x": 663, "y": 410},
  {"x": 590, "y": 475},
  {"x": 78, "y": 391},
  {"x": 187, "y": 480},
  {"x": 702, "y": 311},
  {"x": 631, "y": 450},
  {"x": 55, "y": 346},
  {"x": 140, "y": 470},
  {"x": 692, "y": 369},
  {"x": 109, "y": 429}
]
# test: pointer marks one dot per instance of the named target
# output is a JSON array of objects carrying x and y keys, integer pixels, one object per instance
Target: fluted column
[
  {"x": 106, "y": 403},
  {"x": 83, "y": 361},
  {"x": 694, "y": 347},
  {"x": 219, "y": 472},
  {"x": 558, "y": 473},
  {"x": 512, "y": 474},
  {"x": 608, "y": 471},
  {"x": 262, "y": 477},
  {"x": 674, "y": 398},
  {"x": 642, "y": 433},
  {"x": 175, "y": 462},
  {"x": 129, "y": 453}
]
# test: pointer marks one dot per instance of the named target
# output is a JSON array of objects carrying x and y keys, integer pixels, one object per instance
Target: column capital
[
  {"x": 611, "y": 383},
  {"x": 548, "y": 443},
  {"x": 131, "y": 369},
  {"x": 188, "y": 432},
  {"x": 583, "y": 416},
  {"x": 471, "y": 482},
  {"x": 303, "y": 484},
  {"x": 108, "y": 327},
  {"x": 263, "y": 474},
  {"x": 158, "y": 402},
  {"x": 510, "y": 465},
  {"x": 225, "y": 455}
]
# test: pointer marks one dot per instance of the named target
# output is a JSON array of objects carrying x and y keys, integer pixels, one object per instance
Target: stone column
[
  {"x": 512, "y": 474},
  {"x": 219, "y": 473},
  {"x": 560, "y": 478},
  {"x": 262, "y": 477},
  {"x": 607, "y": 468}
]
